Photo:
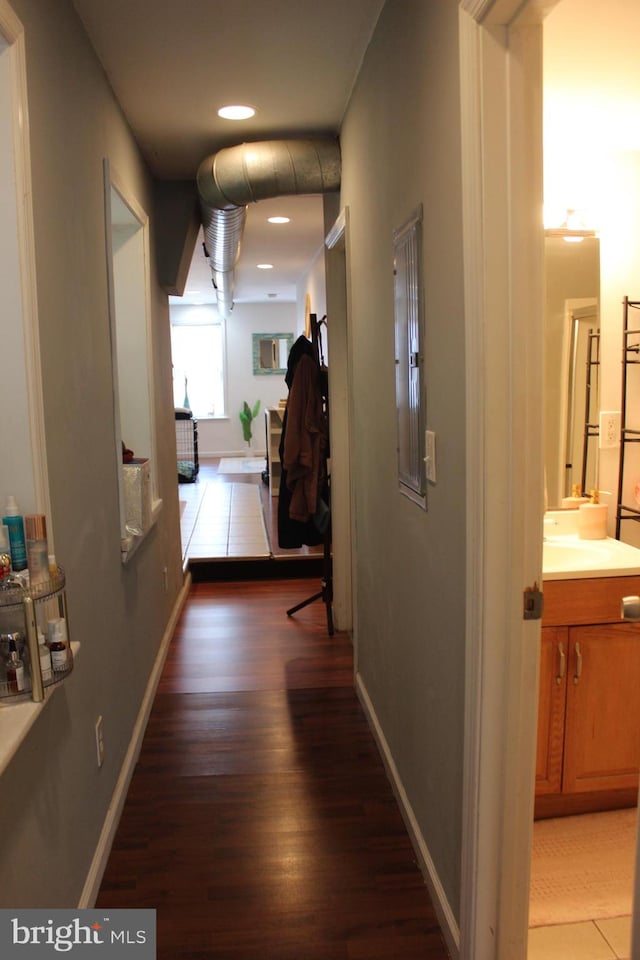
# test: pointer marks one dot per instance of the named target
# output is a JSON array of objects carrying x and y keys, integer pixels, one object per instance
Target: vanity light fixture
[
  {"x": 264, "y": 266},
  {"x": 236, "y": 111},
  {"x": 278, "y": 220},
  {"x": 573, "y": 229}
]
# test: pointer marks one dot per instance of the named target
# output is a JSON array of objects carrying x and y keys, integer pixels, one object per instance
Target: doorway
[{"x": 590, "y": 86}]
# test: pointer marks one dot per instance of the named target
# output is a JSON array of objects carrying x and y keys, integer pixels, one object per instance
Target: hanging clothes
[{"x": 303, "y": 450}]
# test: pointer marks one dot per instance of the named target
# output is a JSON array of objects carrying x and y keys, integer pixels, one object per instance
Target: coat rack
[{"x": 326, "y": 588}]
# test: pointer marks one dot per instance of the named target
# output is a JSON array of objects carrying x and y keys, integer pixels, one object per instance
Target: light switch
[{"x": 430, "y": 458}]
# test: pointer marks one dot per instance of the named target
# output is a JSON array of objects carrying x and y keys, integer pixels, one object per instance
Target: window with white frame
[{"x": 197, "y": 355}]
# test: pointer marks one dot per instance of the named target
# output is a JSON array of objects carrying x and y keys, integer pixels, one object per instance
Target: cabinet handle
[
  {"x": 562, "y": 663},
  {"x": 578, "y": 672}
]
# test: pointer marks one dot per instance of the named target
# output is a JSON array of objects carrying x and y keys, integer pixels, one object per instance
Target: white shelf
[
  {"x": 16, "y": 719},
  {"x": 273, "y": 420}
]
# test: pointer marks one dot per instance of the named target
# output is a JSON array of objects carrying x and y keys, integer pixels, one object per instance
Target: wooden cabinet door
[
  {"x": 602, "y": 730},
  {"x": 551, "y": 709}
]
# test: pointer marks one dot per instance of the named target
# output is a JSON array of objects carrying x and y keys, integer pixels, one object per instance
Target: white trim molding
[
  {"x": 501, "y": 87},
  {"x": 445, "y": 914},
  {"x": 341, "y": 419},
  {"x": 12, "y": 31},
  {"x": 101, "y": 855}
]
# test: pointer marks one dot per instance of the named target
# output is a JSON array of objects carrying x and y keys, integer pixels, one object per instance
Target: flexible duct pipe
[{"x": 236, "y": 176}]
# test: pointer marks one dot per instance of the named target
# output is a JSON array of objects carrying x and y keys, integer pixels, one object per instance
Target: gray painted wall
[
  {"x": 401, "y": 146},
  {"x": 53, "y": 793}
]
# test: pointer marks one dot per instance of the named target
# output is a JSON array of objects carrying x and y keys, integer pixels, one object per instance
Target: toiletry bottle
[
  {"x": 35, "y": 527},
  {"x": 57, "y": 643},
  {"x": 15, "y": 526},
  {"x": 15, "y": 670},
  {"x": 45, "y": 659},
  {"x": 5, "y": 552}
]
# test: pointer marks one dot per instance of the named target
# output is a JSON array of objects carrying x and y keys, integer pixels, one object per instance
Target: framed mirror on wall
[
  {"x": 271, "y": 352},
  {"x": 127, "y": 246},
  {"x": 571, "y": 357}
]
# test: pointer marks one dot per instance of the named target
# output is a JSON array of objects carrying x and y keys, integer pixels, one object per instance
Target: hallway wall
[
  {"x": 53, "y": 793},
  {"x": 410, "y": 565}
]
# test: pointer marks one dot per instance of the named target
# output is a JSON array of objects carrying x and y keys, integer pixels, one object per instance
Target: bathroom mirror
[
  {"x": 271, "y": 352},
  {"x": 571, "y": 355}
]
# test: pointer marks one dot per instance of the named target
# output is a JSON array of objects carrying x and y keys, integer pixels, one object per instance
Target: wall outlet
[
  {"x": 609, "y": 429},
  {"x": 99, "y": 742}
]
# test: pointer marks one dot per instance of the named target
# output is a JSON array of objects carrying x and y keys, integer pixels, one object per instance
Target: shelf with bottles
[{"x": 35, "y": 651}]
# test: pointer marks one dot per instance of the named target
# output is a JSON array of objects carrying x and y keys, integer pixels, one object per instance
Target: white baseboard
[
  {"x": 219, "y": 454},
  {"x": 446, "y": 919},
  {"x": 101, "y": 855}
]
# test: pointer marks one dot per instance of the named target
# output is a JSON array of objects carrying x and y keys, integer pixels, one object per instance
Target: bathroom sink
[{"x": 569, "y": 557}]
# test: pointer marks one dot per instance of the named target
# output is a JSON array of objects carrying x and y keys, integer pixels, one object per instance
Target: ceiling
[
  {"x": 173, "y": 63},
  {"x": 592, "y": 72},
  {"x": 591, "y": 98}
]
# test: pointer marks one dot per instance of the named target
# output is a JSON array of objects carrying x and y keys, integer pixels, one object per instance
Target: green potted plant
[{"x": 247, "y": 414}]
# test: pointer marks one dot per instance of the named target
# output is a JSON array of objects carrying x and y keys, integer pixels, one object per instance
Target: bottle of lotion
[
  {"x": 15, "y": 526},
  {"x": 37, "y": 550},
  {"x": 5, "y": 552},
  {"x": 15, "y": 670},
  {"x": 57, "y": 643},
  {"x": 45, "y": 658}
]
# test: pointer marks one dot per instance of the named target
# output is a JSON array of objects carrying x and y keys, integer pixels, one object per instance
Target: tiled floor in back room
[
  {"x": 591, "y": 940},
  {"x": 225, "y": 520},
  {"x": 229, "y": 515}
]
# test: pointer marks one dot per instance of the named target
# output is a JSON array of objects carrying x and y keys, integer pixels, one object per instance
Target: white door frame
[
  {"x": 340, "y": 399},
  {"x": 501, "y": 101},
  {"x": 37, "y": 483}
]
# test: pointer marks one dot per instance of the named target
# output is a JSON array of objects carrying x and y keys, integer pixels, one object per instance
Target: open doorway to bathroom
[{"x": 583, "y": 861}]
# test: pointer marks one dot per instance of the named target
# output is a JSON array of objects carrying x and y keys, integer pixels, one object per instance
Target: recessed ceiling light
[
  {"x": 278, "y": 220},
  {"x": 264, "y": 266},
  {"x": 236, "y": 111}
]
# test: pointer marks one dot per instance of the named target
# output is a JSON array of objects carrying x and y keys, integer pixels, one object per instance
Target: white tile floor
[
  {"x": 593, "y": 940},
  {"x": 222, "y": 520}
]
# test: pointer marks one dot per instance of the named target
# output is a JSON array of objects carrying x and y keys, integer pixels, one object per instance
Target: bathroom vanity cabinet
[{"x": 588, "y": 750}]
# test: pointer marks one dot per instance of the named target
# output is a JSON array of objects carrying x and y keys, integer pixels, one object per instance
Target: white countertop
[{"x": 570, "y": 558}]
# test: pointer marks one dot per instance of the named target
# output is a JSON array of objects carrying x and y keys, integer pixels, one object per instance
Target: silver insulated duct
[{"x": 236, "y": 176}]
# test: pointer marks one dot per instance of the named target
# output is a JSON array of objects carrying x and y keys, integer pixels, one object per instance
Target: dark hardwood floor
[{"x": 260, "y": 823}]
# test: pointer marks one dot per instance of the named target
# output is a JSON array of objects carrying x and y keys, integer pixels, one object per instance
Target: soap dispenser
[
  {"x": 575, "y": 500},
  {"x": 592, "y": 519}
]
